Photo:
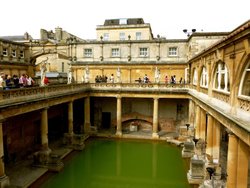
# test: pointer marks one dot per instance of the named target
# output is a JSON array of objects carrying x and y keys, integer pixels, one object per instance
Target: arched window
[
  {"x": 195, "y": 77},
  {"x": 245, "y": 81},
  {"x": 204, "y": 77},
  {"x": 222, "y": 78}
]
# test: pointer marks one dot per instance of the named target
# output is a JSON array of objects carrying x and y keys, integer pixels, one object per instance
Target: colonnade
[
  {"x": 155, "y": 117},
  {"x": 208, "y": 128}
]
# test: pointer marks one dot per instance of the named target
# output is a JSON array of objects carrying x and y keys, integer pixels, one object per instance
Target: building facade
[{"x": 213, "y": 95}]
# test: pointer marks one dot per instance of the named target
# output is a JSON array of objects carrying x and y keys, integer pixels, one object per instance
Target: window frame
[
  {"x": 204, "y": 78},
  {"x": 122, "y": 36},
  {"x": 105, "y": 36},
  {"x": 221, "y": 75},
  {"x": 171, "y": 52},
  {"x": 138, "y": 36},
  {"x": 115, "y": 52},
  {"x": 242, "y": 82},
  {"x": 195, "y": 77},
  {"x": 143, "y": 51},
  {"x": 21, "y": 54},
  {"x": 13, "y": 53},
  {"x": 5, "y": 52},
  {"x": 88, "y": 54}
]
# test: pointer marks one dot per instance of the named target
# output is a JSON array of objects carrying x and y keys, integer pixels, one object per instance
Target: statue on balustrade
[
  {"x": 70, "y": 74},
  {"x": 86, "y": 76},
  {"x": 118, "y": 75},
  {"x": 43, "y": 70},
  {"x": 157, "y": 75}
]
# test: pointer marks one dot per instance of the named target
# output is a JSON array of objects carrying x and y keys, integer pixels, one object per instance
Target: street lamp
[{"x": 188, "y": 33}]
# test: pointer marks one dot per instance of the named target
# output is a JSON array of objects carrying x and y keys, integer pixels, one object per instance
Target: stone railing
[
  {"x": 221, "y": 96},
  {"x": 244, "y": 104},
  {"x": 204, "y": 90},
  {"x": 21, "y": 95},
  {"x": 136, "y": 86}
]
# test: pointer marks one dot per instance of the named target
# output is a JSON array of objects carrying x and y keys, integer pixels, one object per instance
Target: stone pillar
[
  {"x": 119, "y": 116},
  {"x": 191, "y": 112},
  {"x": 155, "y": 119},
  {"x": 242, "y": 166},
  {"x": 4, "y": 180},
  {"x": 197, "y": 122},
  {"x": 44, "y": 129},
  {"x": 87, "y": 115},
  {"x": 70, "y": 118},
  {"x": 216, "y": 139},
  {"x": 210, "y": 124},
  {"x": 232, "y": 161},
  {"x": 202, "y": 124}
]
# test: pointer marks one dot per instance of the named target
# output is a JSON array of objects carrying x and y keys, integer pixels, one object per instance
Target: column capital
[{"x": 118, "y": 96}]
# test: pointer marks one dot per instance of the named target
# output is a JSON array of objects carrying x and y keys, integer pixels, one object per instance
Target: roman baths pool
[{"x": 109, "y": 163}]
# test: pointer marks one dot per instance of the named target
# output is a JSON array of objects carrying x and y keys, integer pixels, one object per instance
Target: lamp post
[{"x": 188, "y": 33}]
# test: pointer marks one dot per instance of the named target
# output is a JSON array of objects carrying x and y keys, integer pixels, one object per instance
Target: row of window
[
  {"x": 143, "y": 52},
  {"x": 122, "y": 36},
  {"x": 13, "y": 53},
  {"x": 222, "y": 81}
]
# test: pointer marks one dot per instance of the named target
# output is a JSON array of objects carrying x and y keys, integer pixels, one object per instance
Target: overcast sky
[{"x": 80, "y": 17}]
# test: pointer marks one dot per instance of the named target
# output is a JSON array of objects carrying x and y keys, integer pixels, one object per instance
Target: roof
[{"x": 124, "y": 21}]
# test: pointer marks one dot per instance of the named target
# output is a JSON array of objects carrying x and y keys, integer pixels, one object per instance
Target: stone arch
[
  {"x": 213, "y": 73},
  {"x": 202, "y": 77},
  {"x": 47, "y": 52},
  {"x": 245, "y": 61}
]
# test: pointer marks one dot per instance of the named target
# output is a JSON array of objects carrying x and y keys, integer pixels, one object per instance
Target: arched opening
[
  {"x": 221, "y": 79},
  {"x": 204, "y": 77},
  {"x": 245, "y": 82}
]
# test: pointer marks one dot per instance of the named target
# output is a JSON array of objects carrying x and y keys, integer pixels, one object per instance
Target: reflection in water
[{"x": 123, "y": 164}]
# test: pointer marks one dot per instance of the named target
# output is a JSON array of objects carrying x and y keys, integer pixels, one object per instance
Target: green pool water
[{"x": 123, "y": 164}]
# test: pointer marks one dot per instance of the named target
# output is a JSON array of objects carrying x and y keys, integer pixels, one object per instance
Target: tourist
[
  {"x": 46, "y": 80},
  {"x": 112, "y": 79}
]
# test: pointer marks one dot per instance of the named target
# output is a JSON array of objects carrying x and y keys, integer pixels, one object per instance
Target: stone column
[
  {"x": 44, "y": 129},
  {"x": 197, "y": 122},
  {"x": 232, "y": 161},
  {"x": 203, "y": 124},
  {"x": 210, "y": 124},
  {"x": 4, "y": 180},
  {"x": 155, "y": 119},
  {"x": 191, "y": 112},
  {"x": 242, "y": 166},
  {"x": 118, "y": 116},
  {"x": 87, "y": 115},
  {"x": 216, "y": 139},
  {"x": 70, "y": 118}
]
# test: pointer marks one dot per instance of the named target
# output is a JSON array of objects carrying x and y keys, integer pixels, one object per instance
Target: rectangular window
[
  {"x": 115, "y": 52},
  {"x": 21, "y": 54},
  {"x": 106, "y": 36},
  {"x": 5, "y": 52},
  {"x": 123, "y": 21},
  {"x": 122, "y": 36},
  {"x": 13, "y": 53},
  {"x": 172, "y": 51},
  {"x": 143, "y": 52},
  {"x": 138, "y": 35},
  {"x": 88, "y": 52}
]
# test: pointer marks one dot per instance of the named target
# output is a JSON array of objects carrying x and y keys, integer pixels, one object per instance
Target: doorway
[{"x": 106, "y": 120}]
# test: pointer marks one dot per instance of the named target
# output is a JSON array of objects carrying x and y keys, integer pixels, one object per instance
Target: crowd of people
[{"x": 11, "y": 82}]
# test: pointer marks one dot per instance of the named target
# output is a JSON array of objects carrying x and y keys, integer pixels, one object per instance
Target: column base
[
  {"x": 74, "y": 141},
  {"x": 4, "y": 181},
  {"x": 118, "y": 133},
  {"x": 45, "y": 159},
  {"x": 155, "y": 136}
]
